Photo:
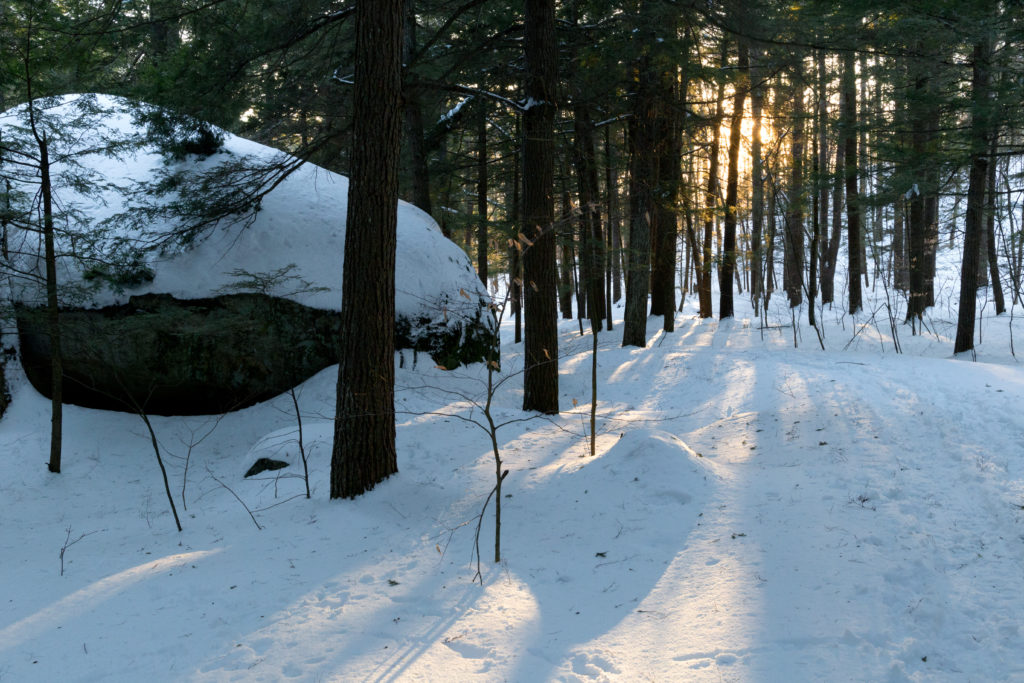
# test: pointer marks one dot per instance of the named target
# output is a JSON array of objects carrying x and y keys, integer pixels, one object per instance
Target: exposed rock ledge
[{"x": 208, "y": 356}]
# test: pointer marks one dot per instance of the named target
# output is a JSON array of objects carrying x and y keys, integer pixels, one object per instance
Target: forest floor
[{"x": 756, "y": 511}]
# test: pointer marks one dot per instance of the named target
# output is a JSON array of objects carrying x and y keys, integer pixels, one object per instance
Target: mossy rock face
[{"x": 207, "y": 356}]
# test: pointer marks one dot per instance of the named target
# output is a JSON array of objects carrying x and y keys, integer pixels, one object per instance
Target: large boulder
[
  {"x": 173, "y": 356},
  {"x": 181, "y": 319}
]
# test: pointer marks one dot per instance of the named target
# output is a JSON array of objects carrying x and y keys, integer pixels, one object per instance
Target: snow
[
  {"x": 300, "y": 223},
  {"x": 755, "y": 512}
]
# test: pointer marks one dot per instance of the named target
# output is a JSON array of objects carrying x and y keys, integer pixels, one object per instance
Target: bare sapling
[
  {"x": 68, "y": 543},
  {"x": 160, "y": 461},
  {"x": 237, "y": 497},
  {"x": 484, "y": 405},
  {"x": 302, "y": 445},
  {"x": 189, "y": 446}
]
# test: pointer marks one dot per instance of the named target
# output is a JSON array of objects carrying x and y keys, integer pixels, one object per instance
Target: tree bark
[
  {"x": 364, "y": 428},
  {"x": 725, "y": 303},
  {"x": 614, "y": 235},
  {"x": 669, "y": 167},
  {"x": 540, "y": 374},
  {"x": 974, "y": 222},
  {"x": 711, "y": 207},
  {"x": 990, "y": 232},
  {"x": 757, "y": 186},
  {"x": 643, "y": 176},
  {"x": 793, "y": 274},
  {"x": 855, "y": 247},
  {"x": 591, "y": 233},
  {"x": 52, "y": 308},
  {"x": 414, "y": 134},
  {"x": 481, "y": 196}
]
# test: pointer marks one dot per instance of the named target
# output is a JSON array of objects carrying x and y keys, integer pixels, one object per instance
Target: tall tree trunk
[
  {"x": 917, "y": 110},
  {"x": 725, "y": 307},
  {"x": 757, "y": 186},
  {"x": 540, "y": 374},
  {"x": 614, "y": 252},
  {"x": 821, "y": 173},
  {"x": 974, "y": 223},
  {"x": 52, "y": 309},
  {"x": 669, "y": 167},
  {"x": 855, "y": 246},
  {"x": 516, "y": 246},
  {"x": 990, "y": 231},
  {"x": 567, "y": 261},
  {"x": 793, "y": 273},
  {"x": 414, "y": 134},
  {"x": 643, "y": 170},
  {"x": 711, "y": 205},
  {"x": 481, "y": 196},
  {"x": 591, "y": 234},
  {"x": 901, "y": 272},
  {"x": 364, "y": 428},
  {"x": 828, "y": 271}
]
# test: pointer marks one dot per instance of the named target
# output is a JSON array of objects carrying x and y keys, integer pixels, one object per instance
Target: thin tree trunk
[
  {"x": 793, "y": 263},
  {"x": 591, "y": 234},
  {"x": 52, "y": 310},
  {"x": 516, "y": 246},
  {"x": 614, "y": 235},
  {"x": 855, "y": 247},
  {"x": 757, "y": 186},
  {"x": 725, "y": 302},
  {"x": 566, "y": 263},
  {"x": 711, "y": 206},
  {"x": 821, "y": 173},
  {"x": 990, "y": 231},
  {"x": 414, "y": 134},
  {"x": 481, "y": 196}
]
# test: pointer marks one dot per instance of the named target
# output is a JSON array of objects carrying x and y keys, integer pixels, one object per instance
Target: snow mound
[{"x": 289, "y": 244}]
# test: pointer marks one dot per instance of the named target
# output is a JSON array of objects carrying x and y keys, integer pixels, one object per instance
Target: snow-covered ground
[{"x": 755, "y": 512}]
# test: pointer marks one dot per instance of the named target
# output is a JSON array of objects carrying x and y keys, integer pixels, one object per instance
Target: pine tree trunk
[
  {"x": 757, "y": 187},
  {"x": 591, "y": 233},
  {"x": 821, "y": 174},
  {"x": 540, "y": 375},
  {"x": 414, "y": 134},
  {"x": 481, "y": 197},
  {"x": 990, "y": 232},
  {"x": 711, "y": 207},
  {"x": 725, "y": 302},
  {"x": 566, "y": 262},
  {"x": 828, "y": 273},
  {"x": 974, "y": 223},
  {"x": 855, "y": 245},
  {"x": 793, "y": 263},
  {"x": 52, "y": 310},
  {"x": 901, "y": 274},
  {"x": 364, "y": 429},
  {"x": 643, "y": 169},
  {"x": 614, "y": 250},
  {"x": 669, "y": 165},
  {"x": 516, "y": 247}
]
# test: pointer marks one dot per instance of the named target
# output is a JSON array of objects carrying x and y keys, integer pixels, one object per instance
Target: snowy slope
[
  {"x": 300, "y": 222},
  {"x": 756, "y": 512}
]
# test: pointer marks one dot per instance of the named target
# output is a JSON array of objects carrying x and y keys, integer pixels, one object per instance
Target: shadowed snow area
[{"x": 755, "y": 512}]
